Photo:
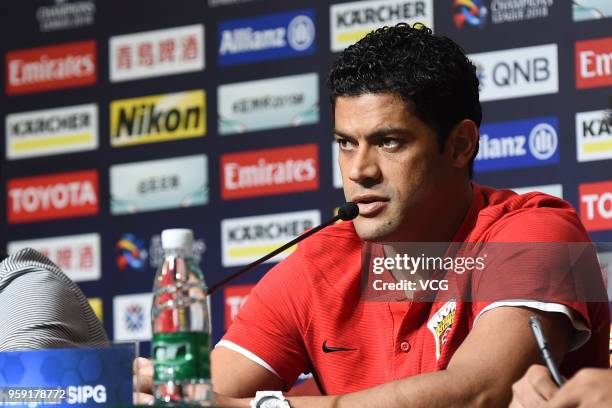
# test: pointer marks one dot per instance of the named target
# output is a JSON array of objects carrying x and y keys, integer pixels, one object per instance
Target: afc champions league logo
[
  {"x": 472, "y": 12},
  {"x": 301, "y": 32},
  {"x": 131, "y": 252}
]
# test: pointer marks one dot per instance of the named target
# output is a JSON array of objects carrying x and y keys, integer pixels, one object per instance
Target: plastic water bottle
[{"x": 181, "y": 325}]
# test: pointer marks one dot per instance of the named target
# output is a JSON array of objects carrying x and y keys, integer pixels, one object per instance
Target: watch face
[{"x": 270, "y": 401}]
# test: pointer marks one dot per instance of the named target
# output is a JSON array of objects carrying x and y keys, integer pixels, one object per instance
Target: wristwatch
[{"x": 269, "y": 399}]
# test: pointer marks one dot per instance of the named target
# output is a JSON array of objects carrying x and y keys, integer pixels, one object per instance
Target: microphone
[{"x": 347, "y": 212}]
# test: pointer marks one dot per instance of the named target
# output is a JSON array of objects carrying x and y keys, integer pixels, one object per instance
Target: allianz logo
[
  {"x": 541, "y": 143},
  {"x": 299, "y": 34}
]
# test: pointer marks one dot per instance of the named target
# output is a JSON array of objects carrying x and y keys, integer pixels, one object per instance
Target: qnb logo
[
  {"x": 472, "y": 12},
  {"x": 596, "y": 205},
  {"x": 85, "y": 394},
  {"x": 480, "y": 74},
  {"x": 517, "y": 72},
  {"x": 521, "y": 72}
]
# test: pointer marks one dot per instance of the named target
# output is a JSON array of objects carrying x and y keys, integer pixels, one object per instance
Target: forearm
[{"x": 446, "y": 388}]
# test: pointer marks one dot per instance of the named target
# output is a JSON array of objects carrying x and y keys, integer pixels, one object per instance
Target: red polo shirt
[{"x": 307, "y": 314}]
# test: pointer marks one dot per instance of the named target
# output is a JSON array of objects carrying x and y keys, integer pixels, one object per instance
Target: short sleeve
[
  {"x": 542, "y": 259},
  {"x": 269, "y": 327},
  {"x": 45, "y": 313}
]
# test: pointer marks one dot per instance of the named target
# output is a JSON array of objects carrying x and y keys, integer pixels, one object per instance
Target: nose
[{"x": 364, "y": 167}]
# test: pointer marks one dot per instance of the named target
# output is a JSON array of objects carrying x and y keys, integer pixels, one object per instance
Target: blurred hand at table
[{"x": 142, "y": 370}]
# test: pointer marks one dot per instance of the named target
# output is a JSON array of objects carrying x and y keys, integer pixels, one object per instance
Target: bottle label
[{"x": 181, "y": 356}]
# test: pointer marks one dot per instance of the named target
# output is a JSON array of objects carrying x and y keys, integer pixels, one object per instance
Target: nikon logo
[{"x": 158, "y": 118}]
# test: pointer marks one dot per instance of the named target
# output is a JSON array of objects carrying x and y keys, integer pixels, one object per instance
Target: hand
[
  {"x": 590, "y": 387},
  {"x": 142, "y": 370},
  {"x": 534, "y": 389}
]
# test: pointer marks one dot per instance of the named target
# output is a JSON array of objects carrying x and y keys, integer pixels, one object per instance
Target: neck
[{"x": 443, "y": 218}]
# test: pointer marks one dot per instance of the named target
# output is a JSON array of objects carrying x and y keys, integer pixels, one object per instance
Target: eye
[
  {"x": 345, "y": 144},
  {"x": 390, "y": 143}
]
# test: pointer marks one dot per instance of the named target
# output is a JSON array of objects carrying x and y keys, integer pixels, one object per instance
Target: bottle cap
[{"x": 177, "y": 238}]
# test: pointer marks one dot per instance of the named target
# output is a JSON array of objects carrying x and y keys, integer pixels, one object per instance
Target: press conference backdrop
[{"x": 123, "y": 118}]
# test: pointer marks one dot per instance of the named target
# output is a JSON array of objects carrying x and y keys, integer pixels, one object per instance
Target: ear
[{"x": 462, "y": 143}]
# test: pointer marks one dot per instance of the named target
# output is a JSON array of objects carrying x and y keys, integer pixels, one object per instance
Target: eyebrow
[{"x": 378, "y": 134}]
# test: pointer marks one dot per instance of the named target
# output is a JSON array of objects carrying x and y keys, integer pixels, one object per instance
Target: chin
[{"x": 373, "y": 231}]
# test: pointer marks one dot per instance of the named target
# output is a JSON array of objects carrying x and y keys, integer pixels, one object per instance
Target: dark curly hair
[{"x": 430, "y": 71}]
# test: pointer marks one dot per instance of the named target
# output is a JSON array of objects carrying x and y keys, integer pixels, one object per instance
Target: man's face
[{"x": 391, "y": 167}]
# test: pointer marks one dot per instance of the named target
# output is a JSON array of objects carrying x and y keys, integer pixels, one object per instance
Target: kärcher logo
[
  {"x": 380, "y": 14},
  {"x": 595, "y": 128},
  {"x": 272, "y": 230},
  {"x": 51, "y": 124}
]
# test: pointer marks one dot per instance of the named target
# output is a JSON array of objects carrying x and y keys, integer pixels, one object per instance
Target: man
[
  {"x": 406, "y": 113},
  {"x": 406, "y": 118},
  {"x": 42, "y": 308}
]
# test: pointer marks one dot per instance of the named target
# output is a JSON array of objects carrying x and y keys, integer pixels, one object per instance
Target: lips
[{"x": 370, "y": 205}]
